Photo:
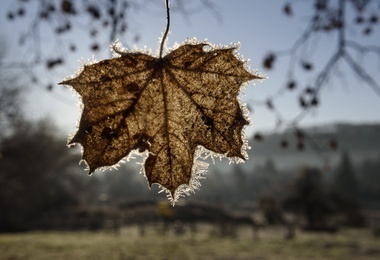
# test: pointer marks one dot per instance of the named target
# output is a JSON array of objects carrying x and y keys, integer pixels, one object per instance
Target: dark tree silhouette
[
  {"x": 346, "y": 183},
  {"x": 369, "y": 179},
  {"x": 270, "y": 209},
  {"x": 36, "y": 185},
  {"x": 309, "y": 199},
  {"x": 37, "y": 182},
  {"x": 347, "y": 191}
]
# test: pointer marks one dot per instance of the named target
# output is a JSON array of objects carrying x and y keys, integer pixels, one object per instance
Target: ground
[{"x": 129, "y": 244}]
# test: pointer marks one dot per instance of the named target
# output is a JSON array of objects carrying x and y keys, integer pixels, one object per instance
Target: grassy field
[{"x": 128, "y": 244}]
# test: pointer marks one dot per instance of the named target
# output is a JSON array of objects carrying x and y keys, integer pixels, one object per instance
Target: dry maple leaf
[{"x": 166, "y": 106}]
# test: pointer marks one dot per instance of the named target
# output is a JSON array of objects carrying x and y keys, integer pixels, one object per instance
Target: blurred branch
[
  {"x": 359, "y": 70},
  {"x": 50, "y": 33},
  {"x": 328, "y": 17},
  {"x": 363, "y": 49}
]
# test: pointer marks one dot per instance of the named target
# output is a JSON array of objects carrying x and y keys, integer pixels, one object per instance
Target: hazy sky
[{"x": 259, "y": 26}]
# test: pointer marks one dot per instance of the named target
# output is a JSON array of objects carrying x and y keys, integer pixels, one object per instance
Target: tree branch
[{"x": 362, "y": 74}]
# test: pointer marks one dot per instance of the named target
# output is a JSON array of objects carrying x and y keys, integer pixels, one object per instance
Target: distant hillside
[{"x": 361, "y": 141}]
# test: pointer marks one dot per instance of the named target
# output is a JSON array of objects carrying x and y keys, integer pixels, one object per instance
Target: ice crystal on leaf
[{"x": 168, "y": 107}]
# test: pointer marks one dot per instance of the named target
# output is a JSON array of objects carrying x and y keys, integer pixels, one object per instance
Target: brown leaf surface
[{"x": 167, "y": 106}]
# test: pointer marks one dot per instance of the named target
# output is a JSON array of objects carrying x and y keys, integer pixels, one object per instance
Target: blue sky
[{"x": 259, "y": 26}]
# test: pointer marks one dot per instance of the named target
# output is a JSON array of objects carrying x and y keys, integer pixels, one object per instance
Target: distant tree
[
  {"x": 270, "y": 167},
  {"x": 270, "y": 208},
  {"x": 347, "y": 191},
  {"x": 309, "y": 198},
  {"x": 37, "y": 180},
  {"x": 369, "y": 179},
  {"x": 266, "y": 178},
  {"x": 345, "y": 182},
  {"x": 238, "y": 184}
]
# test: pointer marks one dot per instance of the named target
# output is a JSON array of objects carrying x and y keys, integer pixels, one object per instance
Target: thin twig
[
  {"x": 167, "y": 28},
  {"x": 363, "y": 48}
]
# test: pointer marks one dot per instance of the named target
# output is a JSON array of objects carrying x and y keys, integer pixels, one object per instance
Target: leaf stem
[{"x": 167, "y": 28}]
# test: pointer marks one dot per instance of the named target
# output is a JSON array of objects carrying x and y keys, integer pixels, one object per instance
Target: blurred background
[{"x": 311, "y": 186}]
